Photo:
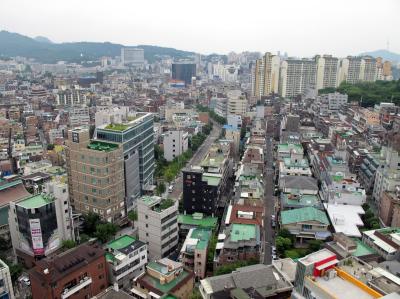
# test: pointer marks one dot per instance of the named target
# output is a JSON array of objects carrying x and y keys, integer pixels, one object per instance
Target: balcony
[{"x": 68, "y": 292}]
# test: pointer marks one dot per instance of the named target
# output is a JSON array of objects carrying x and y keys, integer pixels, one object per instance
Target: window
[
  {"x": 147, "y": 225},
  {"x": 147, "y": 234},
  {"x": 145, "y": 216},
  {"x": 306, "y": 227}
]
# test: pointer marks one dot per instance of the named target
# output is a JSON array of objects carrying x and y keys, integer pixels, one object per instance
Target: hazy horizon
[{"x": 300, "y": 28}]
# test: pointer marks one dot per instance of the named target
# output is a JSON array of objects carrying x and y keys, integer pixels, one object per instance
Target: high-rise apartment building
[
  {"x": 71, "y": 97},
  {"x": 136, "y": 137},
  {"x": 184, "y": 72},
  {"x": 95, "y": 175},
  {"x": 296, "y": 75},
  {"x": 132, "y": 56},
  {"x": 266, "y": 76},
  {"x": 158, "y": 225},
  {"x": 327, "y": 71},
  {"x": 6, "y": 287}
]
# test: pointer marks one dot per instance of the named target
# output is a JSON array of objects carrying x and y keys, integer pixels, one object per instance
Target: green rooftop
[
  {"x": 214, "y": 161},
  {"x": 300, "y": 200},
  {"x": 4, "y": 185},
  {"x": 35, "y": 201},
  {"x": 102, "y": 146},
  {"x": 362, "y": 249},
  {"x": 203, "y": 235},
  {"x": 121, "y": 242},
  {"x": 304, "y": 214},
  {"x": 198, "y": 220},
  {"x": 286, "y": 147},
  {"x": 243, "y": 232},
  {"x": 117, "y": 127},
  {"x": 166, "y": 287},
  {"x": 300, "y": 163}
]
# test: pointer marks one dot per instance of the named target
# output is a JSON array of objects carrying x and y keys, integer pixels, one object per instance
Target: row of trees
[
  {"x": 371, "y": 93},
  {"x": 369, "y": 218},
  {"x": 285, "y": 242}
]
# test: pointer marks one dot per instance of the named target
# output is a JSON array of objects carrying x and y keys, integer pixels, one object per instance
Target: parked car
[
  {"x": 170, "y": 188},
  {"x": 25, "y": 280}
]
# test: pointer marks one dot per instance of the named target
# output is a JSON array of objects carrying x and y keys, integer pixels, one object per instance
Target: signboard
[
  {"x": 36, "y": 234},
  {"x": 75, "y": 137}
]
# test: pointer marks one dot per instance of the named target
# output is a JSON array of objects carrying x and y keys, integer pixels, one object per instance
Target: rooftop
[
  {"x": 345, "y": 218},
  {"x": 243, "y": 232},
  {"x": 116, "y": 127},
  {"x": 362, "y": 249},
  {"x": 211, "y": 179},
  {"x": 317, "y": 256},
  {"x": 304, "y": 214},
  {"x": 300, "y": 200},
  {"x": 121, "y": 242},
  {"x": 157, "y": 203},
  {"x": 102, "y": 146},
  {"x": 197, "y": 219},
  {"x": 35, "y": 201}
]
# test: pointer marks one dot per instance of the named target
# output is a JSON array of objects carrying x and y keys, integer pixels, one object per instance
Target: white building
[
  {"x": 132, "y": 56},
  {"x": 71, "y": 97},
  {"x": 175, "y": 144},
  {"x": 330, "y": 103},
  {"x": 327, "y": 71},
  {"x": 227, "y": 73},
  {"x": 221, "y": 106},
  {"x": 158, "y": 225},
  {"x": 235, "y": 121},
  {"x": 296, "y": 75},
  {"x": 6, "y": 288},
  {"x": 127, "y": 258},
  {"x": 79, "y": 116},
  {"x": 106, "y": 115},
  {"x": 237, "y": 103},
  {"x": 265, "y": 76}
]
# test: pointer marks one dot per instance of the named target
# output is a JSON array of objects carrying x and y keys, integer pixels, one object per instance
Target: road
[
  {"x": 197, "y": 158},
  {"x": 269, "y": 232}
]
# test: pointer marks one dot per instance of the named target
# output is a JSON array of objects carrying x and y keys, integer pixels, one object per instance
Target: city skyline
[{"x": 254, "y": 27}]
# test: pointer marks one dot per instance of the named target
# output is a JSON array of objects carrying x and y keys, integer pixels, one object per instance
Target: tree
[
  {"x": 50, "y": 147},
  {"x": 105, "y": 231},
  {"x": 15, "y": 271},
  {"x": 160, "y": 189},
  {"x": 90, "y": 222},
  {"x": 4, "y": 244},
  {"x": 211, "y": 251},
  {"x": 68, "y": 244},
  {"x": 315, "y": 245},
  {"x": 83, "y": 238},
  {"x": 133, "y": 216},
  {"x": 285, "y": 233},
  {"x": 282, "y": 244},
  {"x": 195, "y": 294}
]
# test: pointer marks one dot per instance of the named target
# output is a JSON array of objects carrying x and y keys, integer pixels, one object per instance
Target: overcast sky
[{"x": 299, "y": 27}]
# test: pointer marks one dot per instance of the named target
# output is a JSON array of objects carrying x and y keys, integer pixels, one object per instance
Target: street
[
  {"x": 268, "y": 202},
  {"x": 198, "y": 156}
]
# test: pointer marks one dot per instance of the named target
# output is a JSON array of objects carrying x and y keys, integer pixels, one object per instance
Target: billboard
[{"x": 36, "y": 234}]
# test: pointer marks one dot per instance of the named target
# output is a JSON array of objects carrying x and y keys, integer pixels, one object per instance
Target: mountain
[
  {"x": 43, "y": 39},
  {"x": 14, "y": 44},
  {"x": 385, "y": 54}
]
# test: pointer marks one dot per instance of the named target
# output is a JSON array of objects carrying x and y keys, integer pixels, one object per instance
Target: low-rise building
[
  {"x": 306, "y": 223},
  {"x": 6, "y": 287},
  {"x": 194, "y": 250},
  {"x": 158, "y": 225},
  {"x": 256, "y": 281},
  {"x": 385, "y": 241},
  {"x": 389, "y": 209},
  {"x": 77, "y": 273},
  {"x": 126, "y": 257},
  {"x": 164, "y": 277},
  {"x": 196, "y": 220}
]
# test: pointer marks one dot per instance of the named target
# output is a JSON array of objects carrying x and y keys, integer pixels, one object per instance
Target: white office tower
[{"x": 132, "y": 56}]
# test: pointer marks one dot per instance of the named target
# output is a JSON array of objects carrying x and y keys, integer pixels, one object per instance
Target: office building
[
  {"x": 136, "y": 137},
  {"x": 79, "y": 116},
  {"x": 39, "y": 224},
  {"x": 132, "y": 56},
  {"x": 126, "y": 258},
  {"x": 183, "y": 72},
  {"x": 384, "y": 241},
  {"x": 330, "y": 103},
  {"x": 296, "y": 75},
  {"x": 203, "y": 185},
  {"x": 175, "y": 143},
  {"x": 158, "y": 225},
  {"x": 95, "y": 175},
  {"x": 77, "y": 273},
  {"x": 6, "y": 287},
  {"x": 164, "y": 278}
]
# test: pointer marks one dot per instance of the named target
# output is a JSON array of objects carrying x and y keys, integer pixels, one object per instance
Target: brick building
[{"x": 79, "y": 273}]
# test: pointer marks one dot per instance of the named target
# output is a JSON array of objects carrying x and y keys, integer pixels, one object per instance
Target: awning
[
  {"x": 327, "y": 264},
  {"x": 139, "y": 293}
]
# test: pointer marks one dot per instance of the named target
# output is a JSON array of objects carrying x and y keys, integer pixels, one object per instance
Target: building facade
[
  {"x": 95, "y": 175},
  {"x": 175, "y": 144}
]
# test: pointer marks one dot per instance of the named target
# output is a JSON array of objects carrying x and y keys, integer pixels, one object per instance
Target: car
[
  {"x": 170, "y": 188},
  {"x": 274, "y": 257},
  {"x": 25, "y": 280},
  {"x": 273, "y": 249}
]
